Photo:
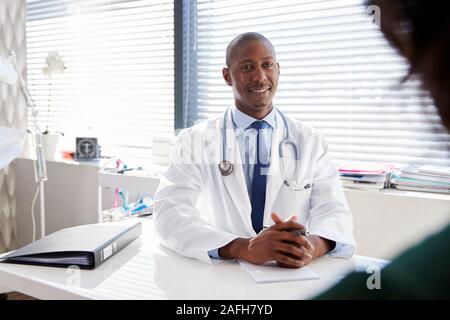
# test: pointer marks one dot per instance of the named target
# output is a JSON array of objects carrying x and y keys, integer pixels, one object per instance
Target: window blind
[
  {"x": 118, "y": 84},
  {"x": 338, "y": 74}
]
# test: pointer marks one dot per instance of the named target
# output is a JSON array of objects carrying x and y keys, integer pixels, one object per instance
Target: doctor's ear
[{"x": 226, "y": 76}]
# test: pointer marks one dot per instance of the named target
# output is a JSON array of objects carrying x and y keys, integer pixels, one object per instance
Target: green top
[{"x": 421, "y": 272}]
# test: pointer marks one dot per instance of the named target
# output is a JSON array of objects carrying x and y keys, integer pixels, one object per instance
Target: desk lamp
[{"x": 10, "y": 147}]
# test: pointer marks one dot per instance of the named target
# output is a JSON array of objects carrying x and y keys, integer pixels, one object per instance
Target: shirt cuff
[
  {"x": 337, "y": 248},
  {"x": 214, "y": 253}
]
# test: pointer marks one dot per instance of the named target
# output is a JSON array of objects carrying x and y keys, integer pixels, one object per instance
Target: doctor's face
[{"x": 253, "y": 73}]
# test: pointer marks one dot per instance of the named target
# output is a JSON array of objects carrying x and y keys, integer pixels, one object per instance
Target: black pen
[
  {"x": 296, "y": 231},
  {"x": 299, "y": 232}
]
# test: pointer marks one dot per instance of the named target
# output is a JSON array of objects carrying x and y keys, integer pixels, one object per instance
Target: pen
[{"x": 297, "y": 232}]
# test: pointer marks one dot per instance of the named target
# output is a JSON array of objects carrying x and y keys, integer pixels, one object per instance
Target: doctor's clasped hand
[{"x": 275, "y": 243}]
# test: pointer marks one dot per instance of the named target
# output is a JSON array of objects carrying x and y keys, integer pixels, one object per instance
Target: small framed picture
[{"x": 87, "y": 149}]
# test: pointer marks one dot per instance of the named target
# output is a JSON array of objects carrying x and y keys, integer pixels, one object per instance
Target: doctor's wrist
[
  {"x": 321, "y": 245},
  {"x": 236, "y": 249}
]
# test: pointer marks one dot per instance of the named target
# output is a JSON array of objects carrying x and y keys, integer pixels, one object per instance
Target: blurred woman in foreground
[{"x": 420, "y": 31}]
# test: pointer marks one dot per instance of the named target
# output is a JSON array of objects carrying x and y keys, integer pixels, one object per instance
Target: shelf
[
  {"x": 144, "y": 183},
  {"x": 140, "y": 181}
]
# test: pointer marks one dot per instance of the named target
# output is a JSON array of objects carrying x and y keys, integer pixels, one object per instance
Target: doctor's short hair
[{"x": 243, "y": 38}]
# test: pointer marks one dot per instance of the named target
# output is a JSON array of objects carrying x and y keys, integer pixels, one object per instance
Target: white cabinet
[{"x": 389, "y": 221}]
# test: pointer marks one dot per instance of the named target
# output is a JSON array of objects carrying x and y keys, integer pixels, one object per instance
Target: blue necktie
[{"x": 259, "y": 182}]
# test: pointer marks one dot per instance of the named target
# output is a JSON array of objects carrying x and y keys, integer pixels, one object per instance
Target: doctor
[{"x": 249, "y": 168}]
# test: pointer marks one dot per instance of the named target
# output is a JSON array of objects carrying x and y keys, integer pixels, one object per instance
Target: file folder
[{"x": 85, "y": 246}]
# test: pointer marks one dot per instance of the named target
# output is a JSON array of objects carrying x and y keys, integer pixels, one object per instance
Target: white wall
[
  {"x": 12, "y": 112},
  {"x": 385, "y": 222}
]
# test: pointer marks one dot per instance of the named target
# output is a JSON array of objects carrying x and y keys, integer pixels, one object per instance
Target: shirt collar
[{"x": 243, "y": 121}]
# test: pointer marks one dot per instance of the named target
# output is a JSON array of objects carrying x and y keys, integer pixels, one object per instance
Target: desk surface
[{"x": 146, "y": 270}]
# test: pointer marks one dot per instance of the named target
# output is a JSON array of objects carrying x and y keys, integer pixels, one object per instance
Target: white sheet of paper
[{"x": 270, "y": 272}]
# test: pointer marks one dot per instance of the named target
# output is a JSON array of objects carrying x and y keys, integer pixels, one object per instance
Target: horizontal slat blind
[
  {"x": 338, "y": 74},
  {"x": 119, "y": 79}
]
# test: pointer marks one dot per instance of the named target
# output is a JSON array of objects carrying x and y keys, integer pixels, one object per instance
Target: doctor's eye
[{"x": 246, "y": 67}]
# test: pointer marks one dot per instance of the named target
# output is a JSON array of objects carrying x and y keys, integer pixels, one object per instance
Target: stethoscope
[{"x": 226, "y": 167}]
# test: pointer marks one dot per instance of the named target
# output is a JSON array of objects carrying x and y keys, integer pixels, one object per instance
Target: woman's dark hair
[{"x": 420, "y": 30}]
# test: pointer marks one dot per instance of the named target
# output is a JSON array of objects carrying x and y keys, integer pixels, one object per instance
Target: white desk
[{"x": 145, "y": 270}]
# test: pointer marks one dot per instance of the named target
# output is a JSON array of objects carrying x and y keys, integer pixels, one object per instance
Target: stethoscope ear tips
[{"x": 294, "y": 185}]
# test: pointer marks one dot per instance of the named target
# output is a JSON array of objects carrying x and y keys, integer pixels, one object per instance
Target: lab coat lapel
[
  {"x": 235, "y": 183},
  {"x": 274, "y": 178}
]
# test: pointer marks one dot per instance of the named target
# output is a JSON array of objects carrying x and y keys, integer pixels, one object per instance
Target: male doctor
[{"x": 246, "y": 207}]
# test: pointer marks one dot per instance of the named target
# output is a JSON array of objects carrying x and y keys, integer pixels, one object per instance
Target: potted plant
[{"x": 51, "y": 139}]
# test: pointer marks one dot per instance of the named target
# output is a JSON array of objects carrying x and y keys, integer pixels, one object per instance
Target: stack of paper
[
  {"x": 361, "y": 175},
  {"x": 271, "y": 272},
  {"x": 425, "y": 178}
]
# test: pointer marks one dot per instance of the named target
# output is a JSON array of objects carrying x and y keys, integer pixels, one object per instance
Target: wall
[
  {"x": 70, "y": 197},
  {"x": 385, "y": 222},
  {"x": 12, "y": 112}
]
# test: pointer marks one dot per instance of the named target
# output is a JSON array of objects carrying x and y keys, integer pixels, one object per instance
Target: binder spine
[{"x": 116, "y": 244}]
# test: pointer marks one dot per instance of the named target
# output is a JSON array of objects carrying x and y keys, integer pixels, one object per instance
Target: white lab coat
[{"x": 197, "y": 209}]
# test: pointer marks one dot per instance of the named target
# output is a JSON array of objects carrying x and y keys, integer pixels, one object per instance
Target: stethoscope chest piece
[{"x": 226, "y": 168}]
